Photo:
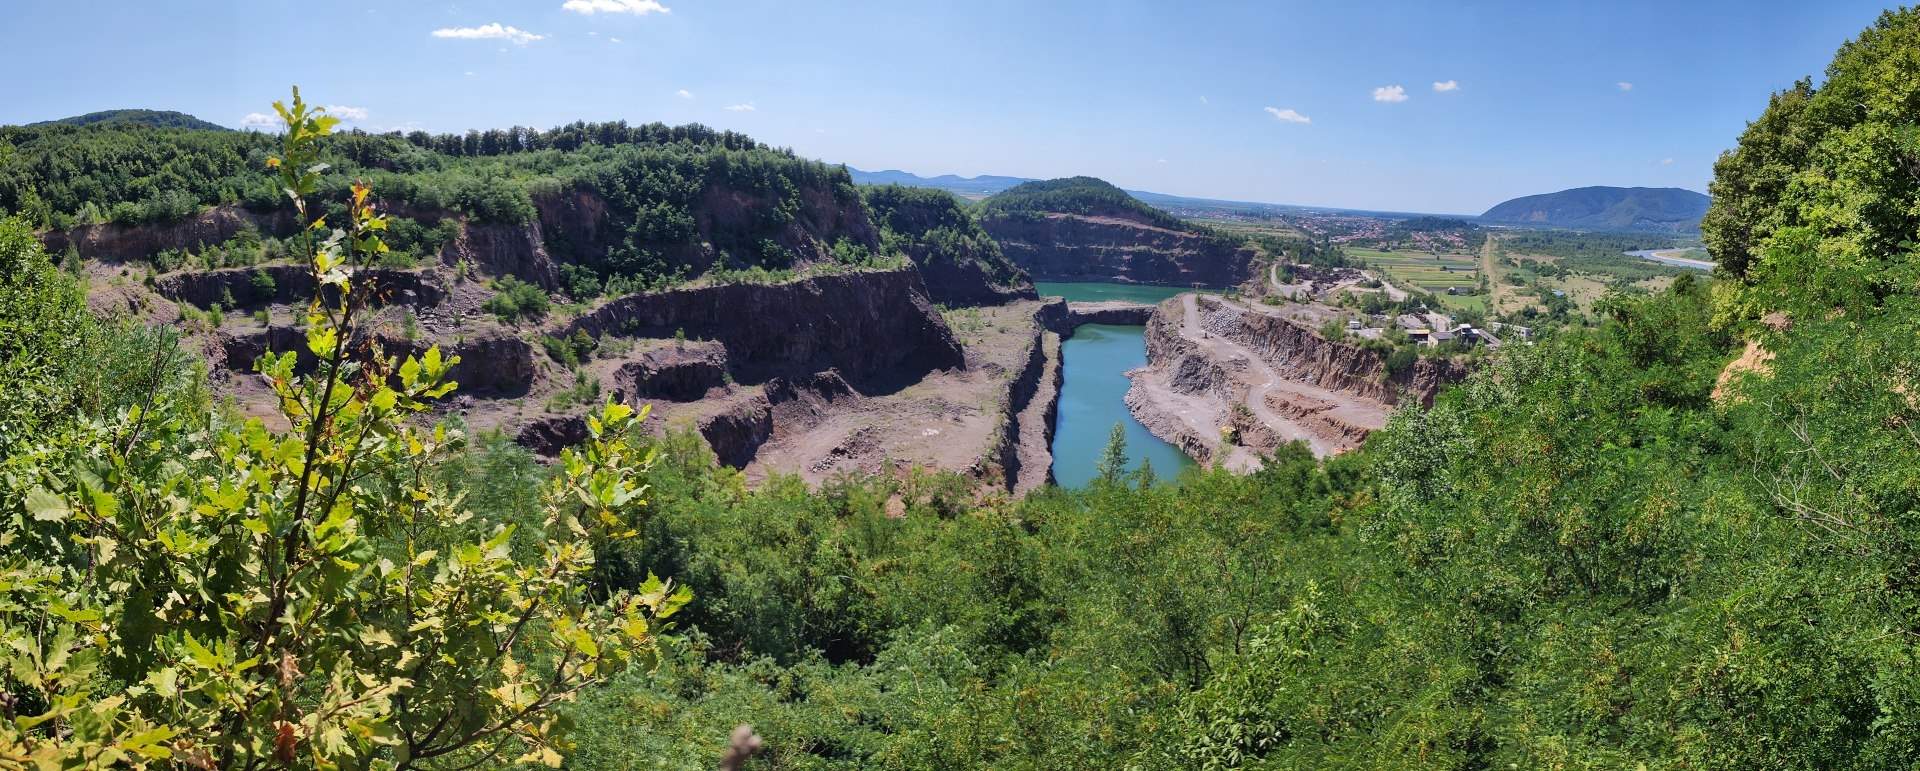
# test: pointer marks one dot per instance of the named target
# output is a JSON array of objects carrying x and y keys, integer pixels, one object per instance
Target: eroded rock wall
[
  {"x": 876, "y": 327},
  {"x": 1071, "y": 247},
  {"x": 292, "y": 284},
  {"x": 125, "y": 243},
  {"x": 1302, "y": 354}
]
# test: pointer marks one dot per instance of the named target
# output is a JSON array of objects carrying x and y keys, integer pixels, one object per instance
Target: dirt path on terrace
[{"x": 1497, "y": 290}]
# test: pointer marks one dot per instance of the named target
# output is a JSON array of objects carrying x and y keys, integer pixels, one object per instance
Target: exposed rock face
[
  {"x": 1301, "y": 354},
  {"x": 1073, "y": 247},
  {"x": 238, "y": 287},
  {"x": 965, "y": 283},
  {"x": 1109, "y": 312},
  {"x": 1033, "y": 402},
  {"x": 785, "y": 406},
  {"x": 548, "y": 436},
  {"x": 491, "y": 364},
  {"x": 124, "y": 243},
  {"x": 877, "y": 328},
  {"x": 680, "y": 373},
  {"x": 1221, "y": 376},
  {"x": 505, "y": 250}
]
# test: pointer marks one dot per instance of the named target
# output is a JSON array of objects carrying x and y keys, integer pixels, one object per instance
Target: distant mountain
[
  {"x": 1636, "y": 209},
  {"x": 154, "y": 118},
  {"x": 1088, "y": 196},
  {"x": 983, "y": 185}
]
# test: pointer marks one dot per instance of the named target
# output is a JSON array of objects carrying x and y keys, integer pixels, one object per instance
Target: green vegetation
[
  {"x": 571, "y": 350},
  {"x": 515, "y": 300},
  {"x": 1077, "y": 195},
  {"x": 1598, "y": 254},
  {"x": 1430, "y": 274},
  {"x": 148, "y": 118},
  {"x": 657, "y": 184},
  {"x": 1821, "y": 193},
  {"x": 934, "y": 228},
  {"x": 186, "y": 588},
  {"x": 1601, "y": 551},
  {"x": 1643, "y": 209}
]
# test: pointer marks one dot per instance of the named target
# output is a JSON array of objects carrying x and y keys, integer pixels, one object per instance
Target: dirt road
[{"x": 1497, "y": 290}]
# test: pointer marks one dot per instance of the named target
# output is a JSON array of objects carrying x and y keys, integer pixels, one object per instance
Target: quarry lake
[
  {"x": 1094, "y": 365},
  {"x": 1095, "y": 291}
]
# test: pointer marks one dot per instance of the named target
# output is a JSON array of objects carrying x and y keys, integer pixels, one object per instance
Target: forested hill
[
  {"x": 1078, "y": 195},
  {"x": 150, "y": 118},
  {"x": 620, "y": 205},
  {"x": 1642, "y": 209}
]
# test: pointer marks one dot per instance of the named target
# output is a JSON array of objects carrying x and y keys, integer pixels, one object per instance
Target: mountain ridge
[
  {"x": 1601, "y": 207},
  {"x": 136, "y": 117}
]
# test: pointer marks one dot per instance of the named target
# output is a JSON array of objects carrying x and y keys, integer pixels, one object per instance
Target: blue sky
[{"x": 1166, "y": 96}]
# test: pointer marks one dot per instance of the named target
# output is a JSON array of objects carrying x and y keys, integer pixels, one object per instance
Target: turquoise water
[
  {"x": 1091, "y": 292},
  {"x": 1094, "y": 362}
]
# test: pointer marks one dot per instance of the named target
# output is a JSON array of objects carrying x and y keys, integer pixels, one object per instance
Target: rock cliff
[
  {"x": 1220, "y": 375},
  {"x": 1302, "y": 354},
  {"x": 292, "y": 284},
  {"x": 125, "y": 243},
  {"x": 493, "y": 363},
  {"x": 876, "y": 327},
  {"x": 1055, "y": 246}
]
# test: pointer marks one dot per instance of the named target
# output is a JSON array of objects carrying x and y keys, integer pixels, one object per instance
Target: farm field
[{"x": 1427, "y": 272}]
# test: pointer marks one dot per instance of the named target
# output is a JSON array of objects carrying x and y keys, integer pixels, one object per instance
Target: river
[
  {"x": 1094, "y": 363},
  {"x": 1668, "y": 257}
]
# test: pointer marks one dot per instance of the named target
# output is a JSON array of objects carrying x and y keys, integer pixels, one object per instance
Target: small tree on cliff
[{"x": 176, "y": 591}]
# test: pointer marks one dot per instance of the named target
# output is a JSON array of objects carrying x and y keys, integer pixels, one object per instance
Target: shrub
[{"x": 514, "y": 300}]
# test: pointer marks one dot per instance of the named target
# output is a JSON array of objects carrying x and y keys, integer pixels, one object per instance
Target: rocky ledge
[
  {"x": 1074, "y": 247},
  {"x": 1229, "y": 383}
]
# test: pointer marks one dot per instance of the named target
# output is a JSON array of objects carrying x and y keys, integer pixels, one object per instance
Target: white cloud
[
  {"x": 1443, "y": 86},
  {"x": 635, "y": 7},
  {"x": 742, "y": 107},
  {"x": 593, "y": 34},
  {"x": 1160, "y": 160},
  {"x": 1624, "y": 86},
  {"x": 1203, "y": 99},
  {"x": 683, "y": 94},
  {"x": 1287, "y": 116},
  {"x": 259, "y": 120},
  {"x": 494, "y": 31},
  {"x": 1390, "y": 94},
  {"x": 613, "y": 40},
  {"x": 346, "y": 113},
  {"x": 1666, "y": 161},
  {"x": 469, "y": 73}
]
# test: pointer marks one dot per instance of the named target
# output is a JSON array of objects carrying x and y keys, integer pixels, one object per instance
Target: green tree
[
  {"x": 1113, "y": 459},
  {"x": 43, "y": 321},
  {"x": 1823, "y": 189}
]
